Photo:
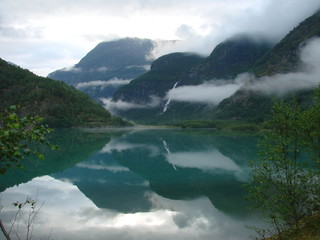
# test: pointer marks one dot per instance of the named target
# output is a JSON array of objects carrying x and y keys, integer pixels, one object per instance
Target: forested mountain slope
[
  {"x": 283, "y": 58},
  {"x": 61, "y": 105},
  {"x": 228, "y": 59}
]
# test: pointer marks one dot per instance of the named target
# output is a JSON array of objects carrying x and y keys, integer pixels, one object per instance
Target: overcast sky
[{"x": 45, "y": 35}]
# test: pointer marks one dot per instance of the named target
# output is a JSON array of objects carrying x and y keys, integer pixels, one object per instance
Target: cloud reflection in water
[{"x": 71, "y": 215}]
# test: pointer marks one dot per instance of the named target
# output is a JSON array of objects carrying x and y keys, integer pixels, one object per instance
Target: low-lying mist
[
  {"x": 103, "y": 83},
  {"x": 307, "y": 77},
  {"x": 120, "y": 105},
  {"x": 214, "y": 91}
]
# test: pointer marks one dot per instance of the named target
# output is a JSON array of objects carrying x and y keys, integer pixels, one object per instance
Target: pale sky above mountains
[{"x": 46, "y": 35}]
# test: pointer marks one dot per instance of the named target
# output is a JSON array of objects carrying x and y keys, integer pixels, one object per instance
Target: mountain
[
  {"x": 108, "y": 66},
  {"x": 231, "y": 57},
  {"x": 149, "y": 91},
  {"x": 61, "y": 105},
  {"x": 283, "y": 58},
  {"x": 150, "y": 98},
  {"x": 164, "y": 73}
]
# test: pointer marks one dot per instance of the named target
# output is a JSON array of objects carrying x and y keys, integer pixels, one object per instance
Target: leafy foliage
[
  {"x": 16, "y": 135},
  {"x": 285, "y": 183}
]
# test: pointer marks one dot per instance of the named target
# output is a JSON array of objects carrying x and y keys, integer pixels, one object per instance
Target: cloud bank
[
  {"x": 308, "y": 76},
  {"x": 102, "y": 83},
  {"x": 210, "y": 92},
  {"x": 54, "y": 34},
  {"x": 213, "y": 92},
  {"x": 114, "y": 106}
]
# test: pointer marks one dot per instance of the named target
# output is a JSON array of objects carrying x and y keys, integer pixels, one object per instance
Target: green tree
[
  {"x": 311, "y": 128},
  {"x": 16, "y": 136},
  {"x": 285, "y": 179}
]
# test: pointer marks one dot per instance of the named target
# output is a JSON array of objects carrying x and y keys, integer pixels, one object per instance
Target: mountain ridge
[
  {"x": 170, "y": 69},
  {"x": 59, "y": 104},
  {"x": 283, "y": 58},
  {"x": 121, "y": 60},
  {"x": 152, "y": 96}
]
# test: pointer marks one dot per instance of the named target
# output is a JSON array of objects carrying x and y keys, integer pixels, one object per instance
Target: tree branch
[{"x": 3, "y": 229}]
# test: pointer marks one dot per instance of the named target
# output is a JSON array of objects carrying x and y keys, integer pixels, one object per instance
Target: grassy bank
[{"x": 226, "y": 125}]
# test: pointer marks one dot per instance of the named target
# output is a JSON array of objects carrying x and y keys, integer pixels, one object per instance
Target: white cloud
[
  {"x": 54, "y": 34},
  {"x": 72, "y": 69},
  {"x": 69, "y": 214},
  {"x": 114, "y": 106},
  {"x": 101, "y": 83},
  {"x": 308, "y": 76},
  {"x": 145, "y": 67},
  {"x": 122, "y": 145},
  {"x": 210, "y": 92},
  {"x": 113, "y": 169},
  {"x": 210, "y": 160}
]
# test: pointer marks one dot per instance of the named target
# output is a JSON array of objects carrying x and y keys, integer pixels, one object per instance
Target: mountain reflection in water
[{"x": 155, "y": 184}]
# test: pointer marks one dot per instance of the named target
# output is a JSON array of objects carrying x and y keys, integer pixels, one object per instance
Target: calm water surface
[{"x": 147, "y": 184}]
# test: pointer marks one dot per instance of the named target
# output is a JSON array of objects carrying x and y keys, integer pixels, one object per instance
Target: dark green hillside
[
  {"x": 282, "y": 58},
  {"x": 228, "y": 59},
  {"x": 60, "y": 104},
  {"x": 164, "y": 73},
  {"x": 234, "y": 56}
]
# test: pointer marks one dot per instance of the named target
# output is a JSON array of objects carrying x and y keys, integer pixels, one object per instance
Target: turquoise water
[{"x": 139, "y": 184}]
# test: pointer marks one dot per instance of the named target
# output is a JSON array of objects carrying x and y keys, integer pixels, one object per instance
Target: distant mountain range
[
  {"x": 284, "y": 65},
  {"x": 108, "y": 66},
  {"x": 60, "y": 104},
  {"x": 228, "y": 59},
  {"x": 236, "y": 81},
  {"x": 220, "y": 71}
]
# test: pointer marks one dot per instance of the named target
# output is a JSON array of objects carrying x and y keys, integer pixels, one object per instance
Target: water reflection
[
  {"x": 146, "y": 184},
  {"x": 73, "y": 216},
  {"x": 187, "y": 166}
]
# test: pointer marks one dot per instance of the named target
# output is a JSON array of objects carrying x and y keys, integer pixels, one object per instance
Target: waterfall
[
  {"x": 165, "y": 108},
  {"x": 166, "y": 147}
]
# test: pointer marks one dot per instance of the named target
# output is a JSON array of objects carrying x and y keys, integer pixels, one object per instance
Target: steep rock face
[
  {"x": 118, "y": 60},
  {"x": 284, "y": 57}
]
